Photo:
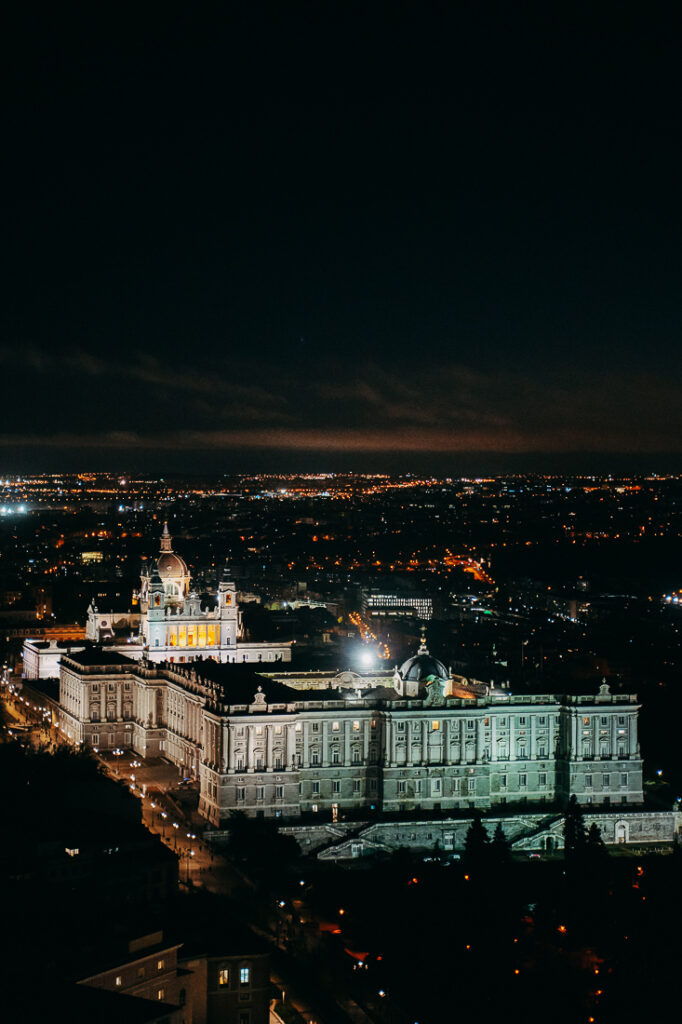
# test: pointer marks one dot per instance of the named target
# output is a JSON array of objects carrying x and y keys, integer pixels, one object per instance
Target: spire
[
  {"x": 156, "y": 581},
  {"x": 166, "y": 539},
  {"x": 225, "y": 577}
]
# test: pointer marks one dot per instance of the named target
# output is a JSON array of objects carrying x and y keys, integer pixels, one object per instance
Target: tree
[
  {"x": 500, "y": 848},
  {"x": 575, "y": 834},
  {"x": 258, "y": 845},
  {"x": 476, "y": 841}
]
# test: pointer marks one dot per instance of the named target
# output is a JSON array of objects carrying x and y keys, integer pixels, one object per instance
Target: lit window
[
  {"x": 223, "y": 976},
  {"x": 119, "y": 981},
  {"x": 298, "y": 727},
  {"x": 335, "y": 727},
  {"x": 161, "y": 994},
  {"x": 586, "y": 720},
  {"x": 435, "y": 725},
  {"x": 356, "y": 726},
  {"x": 160, "y": 964},
  {"x": 244, "y": 975}
]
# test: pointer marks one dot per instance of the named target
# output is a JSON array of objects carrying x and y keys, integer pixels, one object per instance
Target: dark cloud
[{"x": 448, "y": 408}]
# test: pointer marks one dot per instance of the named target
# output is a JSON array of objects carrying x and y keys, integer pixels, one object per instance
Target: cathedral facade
[{"x": 172, "y": 623}]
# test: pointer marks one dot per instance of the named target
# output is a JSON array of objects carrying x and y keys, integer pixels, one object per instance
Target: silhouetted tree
[
  {"x": 500, "y": 848},
  {"x": 477, "y": 841},
  {"x": 575, "y": 834}
]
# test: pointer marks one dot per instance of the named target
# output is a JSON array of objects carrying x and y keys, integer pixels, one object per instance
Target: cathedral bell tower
[
  {"x": 229, "y": 612},
  {"x": 156, "y": 627}
]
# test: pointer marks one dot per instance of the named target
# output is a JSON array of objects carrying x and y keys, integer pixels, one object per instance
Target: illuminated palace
[
  {"x": 173, "y": 623},
  {"x": 415, "y": 742}
]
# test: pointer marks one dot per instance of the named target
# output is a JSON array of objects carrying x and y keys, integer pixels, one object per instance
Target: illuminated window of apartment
[
  {"x": 259, "y": 730},
  {"x": 356, "y": 726},
  {"x": 586, "y": 720},
  {"x": 244, "y": 975},
  {"x": 435, "y": 725},
  {"x": 161, "y": 994},
  {"x": 335, "y": 726},
  {"x": 373, "y": 723},
  {"x": 278, "y": 730},
  {"x": 160, "y": 964},
  {"x": 298, "y": 727},
  {"x": 224, "y": 976},
  {"x": 119, "y": 981}
]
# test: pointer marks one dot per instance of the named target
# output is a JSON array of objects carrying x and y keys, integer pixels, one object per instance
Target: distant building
[
  {"x": 396, "y": 604},
  {"x": 171, "y": 623}
]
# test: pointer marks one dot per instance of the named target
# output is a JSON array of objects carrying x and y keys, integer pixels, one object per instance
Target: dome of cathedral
[
  {"x": 422, "y": 666},
  {"x": 171, "y": 566}
]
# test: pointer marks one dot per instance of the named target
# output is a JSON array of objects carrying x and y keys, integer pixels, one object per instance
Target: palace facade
[{"x": 273, "y": 744}]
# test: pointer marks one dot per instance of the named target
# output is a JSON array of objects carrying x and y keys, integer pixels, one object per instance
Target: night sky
[{"x": 327, "y": 236}]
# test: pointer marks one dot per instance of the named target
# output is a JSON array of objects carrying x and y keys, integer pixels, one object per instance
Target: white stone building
[
  {"x": 171, "y": 624},
  {"x": 270, "y": 745}
]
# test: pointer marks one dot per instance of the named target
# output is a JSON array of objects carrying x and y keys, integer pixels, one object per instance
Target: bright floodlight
[{"x": 366, "y": 657}]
